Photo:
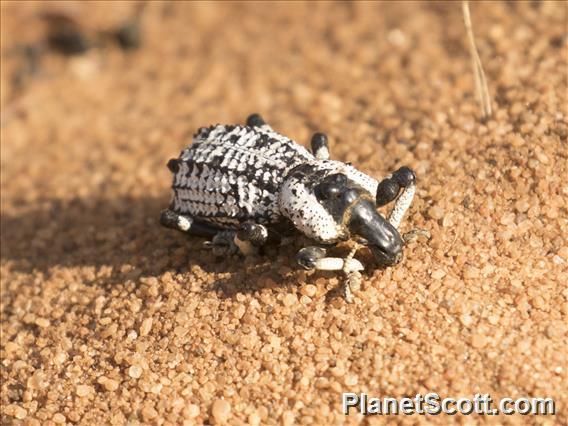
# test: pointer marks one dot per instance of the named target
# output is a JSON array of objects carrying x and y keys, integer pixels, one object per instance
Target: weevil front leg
[
  {"x": 399, "y": 186},
  {"x": 389, "y": 189},
  {"x": 255, "y": 120},
  {"x": 320, "y": 147},
  {"x": 314, "y": 257}
]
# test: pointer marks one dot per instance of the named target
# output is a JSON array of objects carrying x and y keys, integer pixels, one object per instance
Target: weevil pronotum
[{"x": 247, "y": 186}]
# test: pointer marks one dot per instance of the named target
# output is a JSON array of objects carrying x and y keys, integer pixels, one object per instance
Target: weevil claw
[{"x": 414, "y": 234}]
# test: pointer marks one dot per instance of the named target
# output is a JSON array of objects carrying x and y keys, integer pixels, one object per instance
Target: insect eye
[
  {"x": 331, "y": 186},
  {"x": 338, "y": 179}
]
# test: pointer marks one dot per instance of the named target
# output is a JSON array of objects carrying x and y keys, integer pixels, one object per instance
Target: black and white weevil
[{"x": 246, "y": 186}]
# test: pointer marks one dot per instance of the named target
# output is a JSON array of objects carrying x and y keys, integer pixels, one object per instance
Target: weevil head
[
  {"x": 355, "y": 209},
  {"x": 329, "y": 207}
]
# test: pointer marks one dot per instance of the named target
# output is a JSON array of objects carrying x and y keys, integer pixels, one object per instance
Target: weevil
[{"x": 244, "y": 186}]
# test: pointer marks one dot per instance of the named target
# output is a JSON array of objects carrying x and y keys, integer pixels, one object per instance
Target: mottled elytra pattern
[{"x": 231, "y": 174}]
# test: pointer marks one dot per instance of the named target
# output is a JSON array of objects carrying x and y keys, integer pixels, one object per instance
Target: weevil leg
[
  {"x": 314, "y": 257},
  {"x": 308, "y": 257},
  {"x": 320, "y": 147},
  {"x": 250, "y": 236},
  {"x": 223, "y": 243},
  {"x": 413, "y": 234},
  {"x": 389, "y": 188},
  {"x": 352, "y": 273},
  {"x": 187, "y": 224},
  {"x": 401, "y": 205},
  {"x": 399, "y": 186},
  {"x": 255, "y": 120},
  {"x": 247, "y": 239}
]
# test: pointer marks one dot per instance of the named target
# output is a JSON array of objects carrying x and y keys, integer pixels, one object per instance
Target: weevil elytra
[{"x": 247, "y": 186}]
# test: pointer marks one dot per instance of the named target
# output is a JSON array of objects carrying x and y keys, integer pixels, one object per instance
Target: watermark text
[{"x": 433, "y": 404}]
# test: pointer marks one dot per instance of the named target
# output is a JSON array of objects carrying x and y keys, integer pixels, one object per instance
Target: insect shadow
[{"x": 124, "y": 234}]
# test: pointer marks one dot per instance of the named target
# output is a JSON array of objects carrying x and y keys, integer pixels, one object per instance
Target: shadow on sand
[{"x": 124, "y": 234}]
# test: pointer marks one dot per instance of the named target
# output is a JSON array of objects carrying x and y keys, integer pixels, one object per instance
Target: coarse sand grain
[{"x": 106, "y": 317}]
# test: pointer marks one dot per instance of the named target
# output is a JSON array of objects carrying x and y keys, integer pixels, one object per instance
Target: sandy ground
[{"x": 109, "y": 318}]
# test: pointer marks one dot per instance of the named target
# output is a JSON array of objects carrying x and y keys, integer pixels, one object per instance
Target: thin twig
[{"x": 480, "y": 81}]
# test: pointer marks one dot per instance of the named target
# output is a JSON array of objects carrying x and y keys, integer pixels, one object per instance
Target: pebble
[
  {"x": 59, "y": 418},
  {"x": 438, "y": 274},
  {"x": 135, "y": 371},
  {"x": 309, "y": 290},
  {"x": 42, "y": 322},
  {"x": 156, "y": 388},
  {"x": 436, "y": 212},
  {"x": 508, "y": 219},
  {"x": 11, "y": 347},
  {"x": 109, "y": 384},
  {"x": 149, "y": 412},
  {"x": 275, "y": 342},
  {"x": 20, "y": 413},
  {"x": 351, "y": 380},
  {"x": 146, "y": 326},
  {"x": 493, "y": 319},
  {"x": 288, "y": 418},
  {"x": 290, "y": 299},
  {"x": 466, "y": 320},
  {"x": 522, "y": 206},
  {"x": 180, "y": 331},
  {"x": 337, "y": 371},
  {"x": 221, "y": 410},
  {"x": 60, "y": 357},
  {"x": 254, "y": 419},
  {"x": 83, "y": 390},
  {"x": 192, "y": 411},
  {"x": 239, "y": 311},
  {"x": 471, "y": 272},
  {"x": 478, "y": 341}
]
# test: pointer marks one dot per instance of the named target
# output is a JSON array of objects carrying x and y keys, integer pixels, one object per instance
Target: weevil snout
[
  {"x": 382, "y": 238},
  {"x": 350, "y": 204}
]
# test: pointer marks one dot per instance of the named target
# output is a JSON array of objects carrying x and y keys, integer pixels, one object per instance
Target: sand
[{"x": 109, "y": 318}]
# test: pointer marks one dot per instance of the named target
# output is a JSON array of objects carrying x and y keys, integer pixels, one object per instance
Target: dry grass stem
[{"x": 480, "y": 80}]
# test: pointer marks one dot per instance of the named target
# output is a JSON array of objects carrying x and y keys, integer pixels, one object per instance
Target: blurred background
[{"x": 384, "y": 72}]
